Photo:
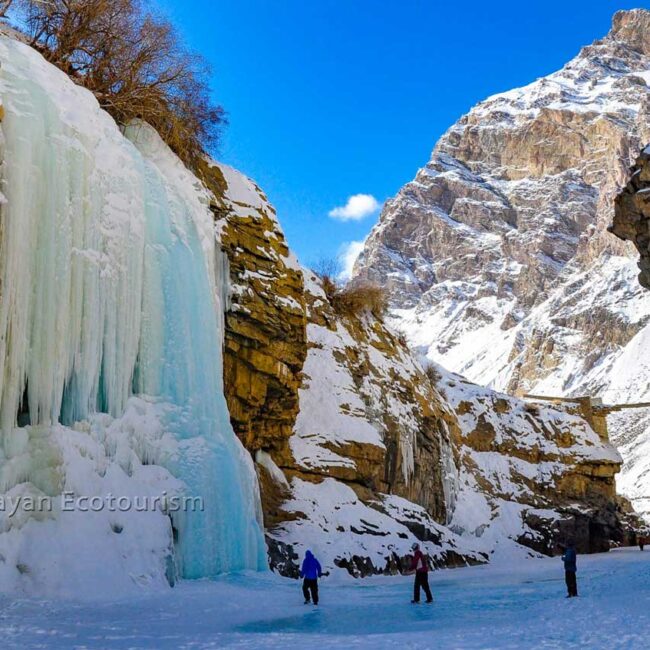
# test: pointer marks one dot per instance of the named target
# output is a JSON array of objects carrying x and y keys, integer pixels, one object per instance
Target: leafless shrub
[
  {"x": 349, "y": 299},
  {"x": 133, "y": 62},
  {"x": 328, "y": 269},
  {"x": 354, "y": 299},
  {"x": 432, "y": 372},
  {"x": 330, "y": 288}
]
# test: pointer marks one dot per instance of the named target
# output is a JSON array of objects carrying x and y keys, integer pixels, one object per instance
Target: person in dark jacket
[
  {"x": 570, "y": 568},
  {"x": 420, "y": 566},
  {"x": 310, "y": 572}
]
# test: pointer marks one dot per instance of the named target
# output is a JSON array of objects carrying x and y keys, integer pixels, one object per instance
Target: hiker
[
  {"x": 310, "y": 572},
  {"x": 421, "y": 568},
  {"x": 570, "y": 568}
]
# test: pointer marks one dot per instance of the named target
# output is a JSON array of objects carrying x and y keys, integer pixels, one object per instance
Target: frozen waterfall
[{"x": 109, "y": 288}]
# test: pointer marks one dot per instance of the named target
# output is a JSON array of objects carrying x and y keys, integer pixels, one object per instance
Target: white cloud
[
  {"x": 347, "y": 256},
  {"x": 357, "y": 207}
]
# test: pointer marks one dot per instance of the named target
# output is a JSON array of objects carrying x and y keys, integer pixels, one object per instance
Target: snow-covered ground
[{"x": 518, "y": 606}]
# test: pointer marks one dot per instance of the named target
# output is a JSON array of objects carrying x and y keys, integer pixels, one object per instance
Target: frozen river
[{"x": 519, "y": 606}]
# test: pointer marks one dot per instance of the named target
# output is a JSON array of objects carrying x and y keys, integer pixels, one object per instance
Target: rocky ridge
[{"x": 632, "y": 213}]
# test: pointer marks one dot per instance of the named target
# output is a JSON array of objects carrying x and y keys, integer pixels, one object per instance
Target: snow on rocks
[
  {"x": 370, "y": 424},
  {"x": 529, "y": 474},
  {"x": 366, "y": 537},
  {"x": 511, "y": 477}
]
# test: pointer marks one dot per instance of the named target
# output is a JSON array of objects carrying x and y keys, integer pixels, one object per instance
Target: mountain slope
[
  {"x": 496, "y": 255},
  {"x": 385, "y": 453}
]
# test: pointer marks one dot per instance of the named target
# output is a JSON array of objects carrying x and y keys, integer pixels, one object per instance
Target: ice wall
[
  {"x": 180, "y": 360},
  {"x": 108, "y": 288}
]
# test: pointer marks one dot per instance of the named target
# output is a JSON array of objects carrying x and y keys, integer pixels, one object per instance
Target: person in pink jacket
[{"x": 420, "y": 566}]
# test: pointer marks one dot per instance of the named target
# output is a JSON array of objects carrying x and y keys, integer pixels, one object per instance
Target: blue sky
[{"x": 333, "y": 98}]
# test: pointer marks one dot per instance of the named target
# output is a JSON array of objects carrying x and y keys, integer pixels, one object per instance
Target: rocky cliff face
[
  {"x": 383, "y": 452},
  {"x": 631, "y": 219},
  {"x": 531, "y": 473},
  {"x": 386, "y": 452},
  {"x": 511, "y": 208},
  {"x": 496, "y": 256},
  {"x": 372, "y": 447},
  {"x": 632, "y": 213},
  {"x": 265, "y": 339}
]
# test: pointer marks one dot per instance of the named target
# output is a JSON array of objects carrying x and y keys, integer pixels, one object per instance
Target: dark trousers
[
  {"x": 571, "y": 583},
  {"x": 421, "y": 580},
  {"x": 310, "y": 589}
]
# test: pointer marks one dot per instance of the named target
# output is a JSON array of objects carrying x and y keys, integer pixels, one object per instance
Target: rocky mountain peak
[{"x": 633, "y": 28}]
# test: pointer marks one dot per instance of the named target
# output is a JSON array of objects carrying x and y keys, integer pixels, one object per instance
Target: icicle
[
  {"x": 449, "y": 472},
  {"x": 108, "y": 281}
]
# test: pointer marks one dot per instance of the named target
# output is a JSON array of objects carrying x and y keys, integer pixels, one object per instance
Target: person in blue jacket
[
  {"x": 310, "y": 572},
  {"x": 570, "y": 568}
]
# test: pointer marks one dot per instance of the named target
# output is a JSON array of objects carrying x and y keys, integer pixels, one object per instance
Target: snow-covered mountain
[{"x": 497, "y": 256}]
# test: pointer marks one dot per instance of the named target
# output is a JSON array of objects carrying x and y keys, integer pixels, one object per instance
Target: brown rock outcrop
[
  {"x": 265, "y": 341},
  {"x": 541, "y": 472},
  {"x": 371, "y": 450},
  {"x": 381, "y": 456},
  {"x": 632, "y": 213},
  {"x": 396, "y": 428}
]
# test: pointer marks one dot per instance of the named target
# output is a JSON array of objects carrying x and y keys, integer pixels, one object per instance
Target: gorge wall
[
  {"x": 631, "y": 220},
  {"x": 632, "y": 213},
  {"x": 265, "y": 338}
]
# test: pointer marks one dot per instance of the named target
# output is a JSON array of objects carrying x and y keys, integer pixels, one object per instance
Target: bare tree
[
  {"x": 5, "y": 5},
  {"x": 134, "y": 63},
  {"x": 327, "y": 268}
]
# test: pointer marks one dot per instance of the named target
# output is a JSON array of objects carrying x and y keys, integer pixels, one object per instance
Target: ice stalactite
[
  {"x": 450, "y": 474},
  {"x": 108, "y": 288}
]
